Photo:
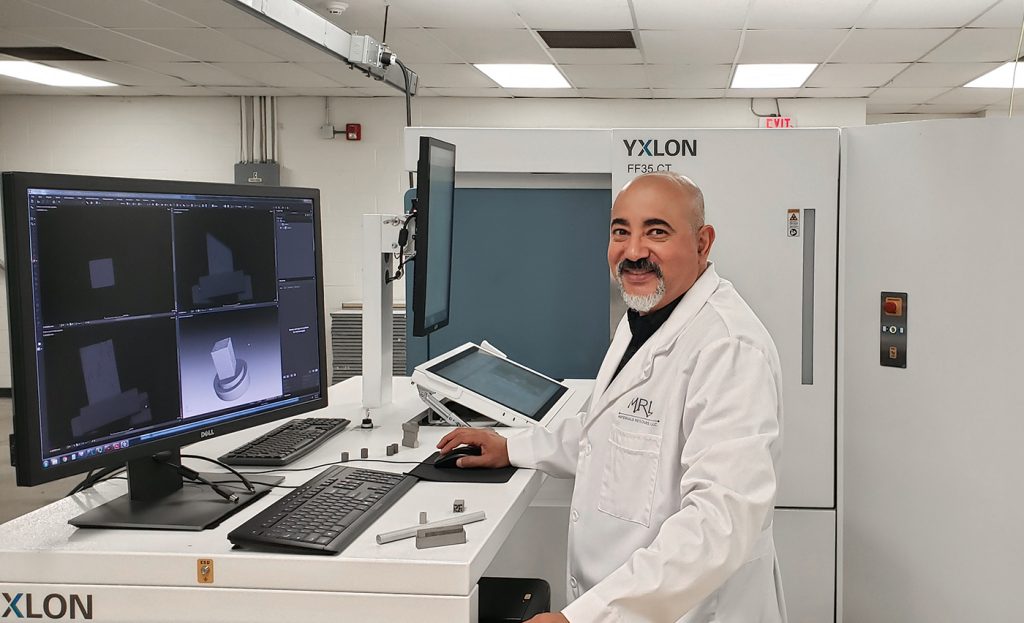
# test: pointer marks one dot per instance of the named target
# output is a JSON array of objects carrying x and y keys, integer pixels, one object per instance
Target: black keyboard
[
  {"x": 287, "y": 442},
  {"x": 324, "y": 515}
]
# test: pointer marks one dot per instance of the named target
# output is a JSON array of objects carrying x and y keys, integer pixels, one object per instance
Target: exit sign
[{"x": 776, "y": 122}]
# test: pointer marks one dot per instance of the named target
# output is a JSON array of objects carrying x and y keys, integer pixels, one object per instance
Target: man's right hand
[{"x": 493, "y": 447}]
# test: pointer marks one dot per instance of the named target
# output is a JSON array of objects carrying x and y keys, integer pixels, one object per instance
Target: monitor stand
[{"x": 158, "y": 499}]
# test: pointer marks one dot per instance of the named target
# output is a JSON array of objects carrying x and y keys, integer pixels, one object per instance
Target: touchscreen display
[{"x": 501, "y": 381}]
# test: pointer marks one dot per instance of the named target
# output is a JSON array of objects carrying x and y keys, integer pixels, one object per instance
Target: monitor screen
[
  {"x": 149, "y": 314},
  {"x": 435, "y": 202}
]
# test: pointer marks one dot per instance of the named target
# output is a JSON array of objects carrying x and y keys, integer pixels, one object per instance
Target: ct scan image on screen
[{"x": 229, "y": 357}]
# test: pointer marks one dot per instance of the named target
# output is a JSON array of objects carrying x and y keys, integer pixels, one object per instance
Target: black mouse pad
[{"x": 427, "y": 471}]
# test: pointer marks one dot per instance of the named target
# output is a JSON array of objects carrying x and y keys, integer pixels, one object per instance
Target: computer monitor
[
  {"x": 146, "y": 315},
  {"x": 435, "y": 202}
]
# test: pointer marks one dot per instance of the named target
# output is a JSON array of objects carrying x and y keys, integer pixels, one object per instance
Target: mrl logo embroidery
[{"x": 641, "y": 411}]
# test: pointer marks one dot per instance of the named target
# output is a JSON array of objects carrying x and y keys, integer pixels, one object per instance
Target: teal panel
[{"x": 529, "y": 275}]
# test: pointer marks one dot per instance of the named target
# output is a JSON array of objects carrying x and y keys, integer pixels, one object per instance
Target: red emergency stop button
[{"x": 893, "y": 306}]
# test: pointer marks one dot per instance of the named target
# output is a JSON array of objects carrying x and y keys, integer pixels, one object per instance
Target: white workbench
[{"x": 149, "y": 575}]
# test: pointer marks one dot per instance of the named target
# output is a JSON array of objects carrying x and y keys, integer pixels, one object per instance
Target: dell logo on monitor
[{"x": 207, "y": 433}]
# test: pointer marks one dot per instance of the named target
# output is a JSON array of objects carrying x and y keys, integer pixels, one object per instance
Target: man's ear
[{"x": 705, "y": 239}]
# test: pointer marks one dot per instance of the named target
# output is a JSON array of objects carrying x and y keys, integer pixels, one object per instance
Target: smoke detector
[{"x": 337, "y": 8}]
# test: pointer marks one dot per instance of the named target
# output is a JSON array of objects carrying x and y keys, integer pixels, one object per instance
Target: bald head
[{"x": 675, "y": 188}]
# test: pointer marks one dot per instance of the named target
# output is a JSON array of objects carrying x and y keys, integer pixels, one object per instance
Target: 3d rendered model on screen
[
  {"x": 232, "y": 378},
  {"x": 223, "y": 283},
  {"x": 107, "y": 402}
]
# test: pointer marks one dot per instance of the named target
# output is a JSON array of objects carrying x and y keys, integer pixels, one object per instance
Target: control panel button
[{"x": 893, "y": 306}]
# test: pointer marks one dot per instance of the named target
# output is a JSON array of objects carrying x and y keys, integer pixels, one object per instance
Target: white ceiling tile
[
  {"x": 105, "y": 44},
  {"x": 941, "y": 74},
  {"x": 592, "y": 15},
  {"x": 790, "y": 46},
  {"x": 970, "y": 97},
  {"x": 279, "y": 44},
  {"x": 493, "y": 46},
  {"x": 688, "y": 93},
  {"x": 459, "y": 92},
  {"x": 794, "y": 14},
  {"x": 341, "y": 73},
  {"x": 14, "y": 39},
  {"x": 331, "y": 92},
  {"x": 945, "y": 109},
  {"x": 688, "y": 76},
  {"x": 889, "y": 108},
  {"x": 689, "y": 47},
  {"x": 273, "y": 91},
  {"x": 897, "y": 45},
  {"x": 1006, "y": 14},
  {"x": 118, "y": 13},
  {"x": 977, "y": 45},
  {"x": 15, "y": 14},
  {"x": 836, "y": 91},
  {"x": 597, "y": 57},
  {"x": 606, "y": 76},
  {"x": 692, "y": 14},
  {"x": 550, "y": 93},
  {"x": 461, "y": 75},
  {"x": 362, "y": 16},
  {"x": 418, "y": 45},
  {"x": 284, "y": 75},
  {"x": 119, "y": 73},
  {"x": 629, "y": 94},
  {"x": 201, "y": 44},
  {"x": 839, "y": 75},
  {"x": 189, "y": 91},
  {"x": 758, "y": 93},
  {"x": 452, "y": 14},
  {"x": 377, "y": 91},
  {"x": 907, "y": 95},
  {"x": 922, "y": 13},
  {"x": 211, "y": 13},
  {"x": 200, "y": 73}
]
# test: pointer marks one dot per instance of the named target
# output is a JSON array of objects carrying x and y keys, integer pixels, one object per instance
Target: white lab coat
[{"x": 675, "y": 465}]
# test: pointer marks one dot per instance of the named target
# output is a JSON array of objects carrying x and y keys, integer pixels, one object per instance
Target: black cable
[
  {"x": 93, "y": 479},
  {"x": 384, "y": 36},
  {"x": 273, "y": 128},
  {"x": 245, "y": 481},
  {"x": 408, "y": 103},
  {"x": 193, "y": 475}
]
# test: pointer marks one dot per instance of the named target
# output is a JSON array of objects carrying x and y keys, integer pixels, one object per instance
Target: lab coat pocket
[{"x": 630, "y": 475}]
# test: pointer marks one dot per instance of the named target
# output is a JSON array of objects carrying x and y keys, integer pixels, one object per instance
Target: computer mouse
[{"x": 448, "y": 460}]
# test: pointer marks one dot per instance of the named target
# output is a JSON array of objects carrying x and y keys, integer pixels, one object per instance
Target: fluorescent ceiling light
[
  {"x": 1000, "y": 78},
  {"x": 44, "y": 74},
  {"x": 525, "y": 76},
  {"x": 772, "y": 76}
]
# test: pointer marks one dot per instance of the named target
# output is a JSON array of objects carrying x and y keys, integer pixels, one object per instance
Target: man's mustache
[{"x": 642, "y": 265}]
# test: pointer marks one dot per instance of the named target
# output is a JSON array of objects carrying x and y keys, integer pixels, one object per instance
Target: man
[{"x": 677, "y": 457}]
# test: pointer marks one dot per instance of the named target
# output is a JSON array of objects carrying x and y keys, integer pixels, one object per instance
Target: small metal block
[
  {"x": 344, "y": 457},
  {"x": 459, "y": 505},
  {"x": 364, "y": 453},
  {"x": 391, "y": 450},
  {"x": 439, "y": 537},
  {"x": 410, "y": 435},
  {"x": 423, "y": 517}
]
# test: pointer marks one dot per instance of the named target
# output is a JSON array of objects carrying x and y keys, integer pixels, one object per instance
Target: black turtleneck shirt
[{"x": 643, "y": 327}]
